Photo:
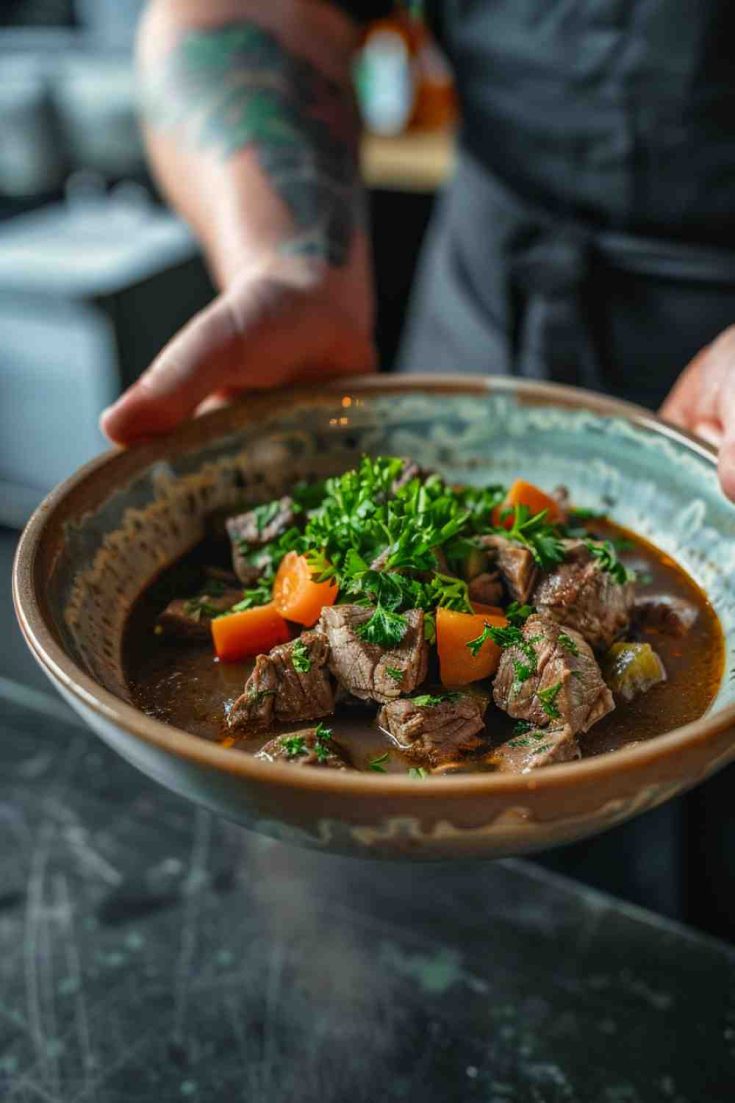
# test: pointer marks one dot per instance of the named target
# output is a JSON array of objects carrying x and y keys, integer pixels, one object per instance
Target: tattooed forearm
[{"x": 234, "y": 86}]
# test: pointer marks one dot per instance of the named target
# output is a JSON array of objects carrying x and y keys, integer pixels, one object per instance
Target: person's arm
[
  {"x": 252, "y": 134},
  {"x": 703, "y": 401}
]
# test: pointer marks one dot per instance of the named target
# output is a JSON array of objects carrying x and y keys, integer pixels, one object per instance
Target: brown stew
[{"x": 180, "y": 681}]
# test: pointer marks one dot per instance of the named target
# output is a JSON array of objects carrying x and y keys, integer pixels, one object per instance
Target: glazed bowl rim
[{"x": 37, "y": 627}]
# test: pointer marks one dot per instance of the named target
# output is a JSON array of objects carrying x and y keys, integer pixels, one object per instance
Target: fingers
[{"x": 191, "y": 366}]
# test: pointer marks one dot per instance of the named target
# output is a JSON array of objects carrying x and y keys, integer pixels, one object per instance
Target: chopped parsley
[
  {"x": 322, "y": 739},
  {"x": 418, "y": 773},
  {"x": 300, "y": 658},
  {"x": 294, "y": 745},
  {"x": 263, "y": 515},
  {"x": 476, "y": 644},
  {"x": 547, "y": 699},
  {"x": 394, "y": 673},
  {"x": 605, "y": 553},
  {"x": 522, "y": 727},
  {"x": 376, "y": 764},
  {"x": 430, "y": 700},
  {"x": 568, "y": 643},
  {"x": 198, "y": 607},
  {"x": 255, "y": 696},
  {"x": 518, "y": 614},
  {"x": 534, "y": 531},
  {"x": 384, "y": 628},
  {"x": 258, "y": 595}
]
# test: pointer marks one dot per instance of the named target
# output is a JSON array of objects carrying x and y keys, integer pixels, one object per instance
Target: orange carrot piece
[
  {"x": 251, "y": 632},
  {"x": 522, "y": 493},
  {"x": 295, "y": 594},
  {"x": 457, "y": 665}
]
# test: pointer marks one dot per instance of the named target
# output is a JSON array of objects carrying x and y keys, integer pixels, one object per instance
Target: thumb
[{"x": 192, "y": 365}]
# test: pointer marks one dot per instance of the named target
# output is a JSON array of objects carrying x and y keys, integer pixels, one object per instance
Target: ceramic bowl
[{"x": 101, "y": 537}]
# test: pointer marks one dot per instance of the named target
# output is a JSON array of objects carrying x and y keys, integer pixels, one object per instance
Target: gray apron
[
  {"x": 589, "y": 237},
  {"x": 506, "y": 288}
]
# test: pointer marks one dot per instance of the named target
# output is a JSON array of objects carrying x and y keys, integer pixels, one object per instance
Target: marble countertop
[{"x": 151, "y": 952}]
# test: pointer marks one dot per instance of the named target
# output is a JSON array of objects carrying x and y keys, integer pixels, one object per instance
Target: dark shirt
[{"x": 617, "y": 112}]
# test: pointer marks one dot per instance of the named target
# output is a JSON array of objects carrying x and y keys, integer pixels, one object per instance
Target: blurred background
[{"x": 95, "y": 274}]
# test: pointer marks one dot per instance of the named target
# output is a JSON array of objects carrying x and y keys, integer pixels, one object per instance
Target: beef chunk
[
  {"x": 515, "y": 564},
  {"x": 291, "y": 683},
  {"x": 535, "y": 748},
  {"x": 305, "y": 748},
  {"x": 254, "y": 529},
  {"x": 190, "y": 618},
  {"x": 665, "y": 613},
  {"x": 486, "y": 589},
  {"x": 435, "y": 730},
  {"x": 254, "y": 709},
  {"x": 552, "y": 679},
  {"x": 366, "y": 670},
  {"x": 580, "y": 594}
]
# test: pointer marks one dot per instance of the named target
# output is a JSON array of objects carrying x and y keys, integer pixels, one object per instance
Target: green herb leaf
[
  {"x": 518, "y": 614},
  {"x": 263, "y": 515},
  {"x": 568, "y": 643},
  {"x": 300, "y": 658},
  {"x": 376, "y": 764},
  {"x": 322, "y": 739},
  {"x": 547, "y": 699},
  {"x": 294, "y": 745},
  {"x": 542, "y": 539},
  {"x": 258, "y": 595},
  {"x": 431, "y": 699},
  {"x": 385, "y": 628},
  {"x": 475, "y": 645},
  {"x": 418, "y": 773},
  {"x": 394, "y": 673},
  {"x": 605, "y": 553}
]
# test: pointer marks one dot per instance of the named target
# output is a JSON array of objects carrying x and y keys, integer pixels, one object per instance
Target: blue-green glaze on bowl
[{"x": 102, "y": 536}]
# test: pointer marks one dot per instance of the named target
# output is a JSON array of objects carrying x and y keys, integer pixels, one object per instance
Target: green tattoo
[{"x": 235, "y": 86}]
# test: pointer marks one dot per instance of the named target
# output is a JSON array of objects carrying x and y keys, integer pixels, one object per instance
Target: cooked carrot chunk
[
  {"x": 296, "y": 595},
  {"x": 251, "y": 632},
  {"x": 522, "y": 493},
  {"x": 458, "y": 666}
]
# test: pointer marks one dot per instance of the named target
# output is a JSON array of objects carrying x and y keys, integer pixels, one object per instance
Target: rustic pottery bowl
[{"x": 99, "y": 539}]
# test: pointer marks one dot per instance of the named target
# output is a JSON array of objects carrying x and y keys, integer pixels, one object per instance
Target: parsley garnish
[
  {"x": 518, "y": 614},
  {"x": 258, "y": 695},
  {"x": 547, "y": 698},
  {"x": 535, "y": 533},
  {"x": 263, "y": 515},
  {"x": 376, "y": 764},
  {"x": 568, "y": 643},
  {"x": 522, "y": 727},
  {"x": 476, "y": 644},
  {"x": 384, "y": 628},
  {"x": 508, "y": 636},
  {"x": 431, "y": 699},
  {"x": 394, "y": 673},
  {"x": 293, "y": 745},
  {"x": 258, "y": 595},
  {"x": 322, "y": 739},
  {"x": 300, "y": 658},
  {"x": 418, "y": 773},
  {"x": 605, "y": 553},
  {"x": 198, "y": 607}
]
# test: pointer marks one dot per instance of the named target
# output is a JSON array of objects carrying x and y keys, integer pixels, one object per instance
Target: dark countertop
[{"x": 151, "y": 952}]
